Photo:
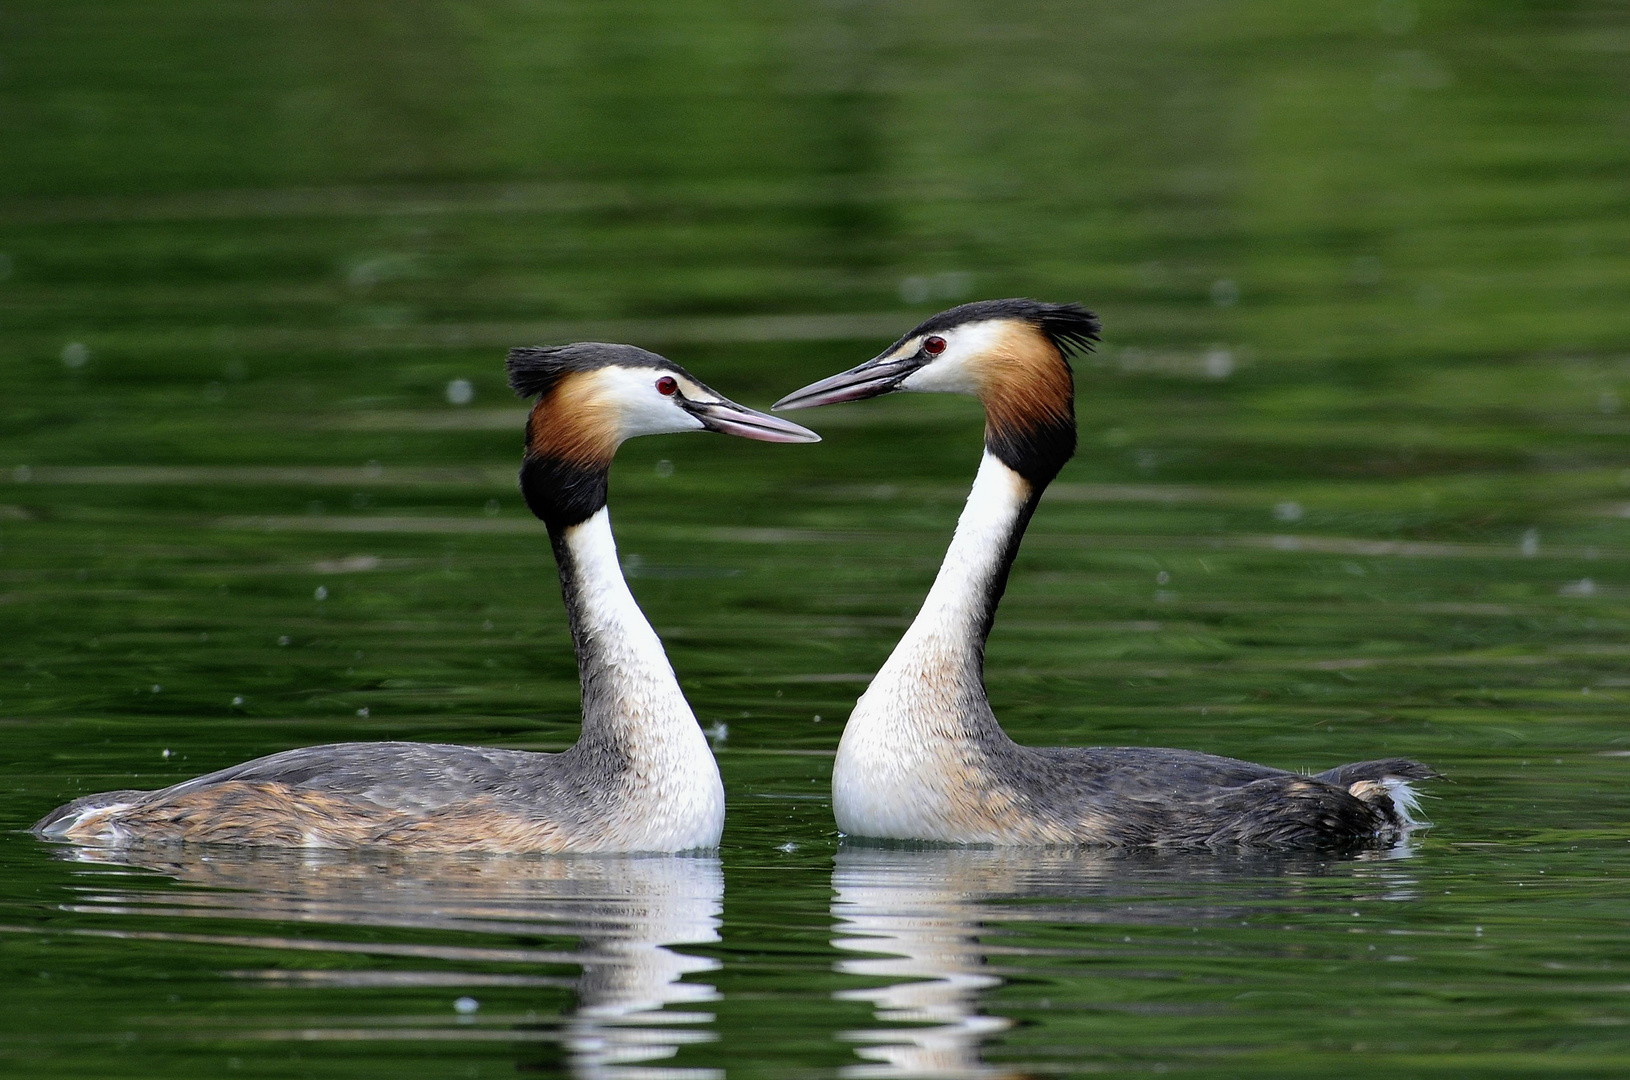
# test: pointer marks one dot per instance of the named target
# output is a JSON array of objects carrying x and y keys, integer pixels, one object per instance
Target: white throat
[
  {"x": 632, "y": 702},
  {"x": 957, "y": 604},
  {"x": 924, "y": 717}
]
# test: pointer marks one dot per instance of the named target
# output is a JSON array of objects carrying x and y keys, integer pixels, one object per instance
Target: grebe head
[
  {"x": 1011, "y": 354},
  {"x": 591, "y": 398}
]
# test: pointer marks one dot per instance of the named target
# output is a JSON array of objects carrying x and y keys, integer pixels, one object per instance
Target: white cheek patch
[
  {"x": 956, "y": 370},
  {"x": 639, "y": 407}
]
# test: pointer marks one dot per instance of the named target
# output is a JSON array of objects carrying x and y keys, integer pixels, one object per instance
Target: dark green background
[{"x": 1353, "y": 481}]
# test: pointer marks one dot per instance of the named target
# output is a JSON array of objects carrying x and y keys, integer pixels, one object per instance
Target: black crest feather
[
  {"x": 535, "y": 369},
  {"x": 1070, "y": 327}
]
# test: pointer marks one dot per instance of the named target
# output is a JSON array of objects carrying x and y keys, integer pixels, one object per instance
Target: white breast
[
  {"x": 908, "y": 759},
  {"x": 674, "y": 799}
]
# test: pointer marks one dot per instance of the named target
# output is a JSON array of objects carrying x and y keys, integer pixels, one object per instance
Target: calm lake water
[{"x": 1354, "y": 482}]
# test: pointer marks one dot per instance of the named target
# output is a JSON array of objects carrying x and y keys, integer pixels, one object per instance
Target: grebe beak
[
  {"x": 728, "y": 418},
  {"x": 880, "y": 375}
]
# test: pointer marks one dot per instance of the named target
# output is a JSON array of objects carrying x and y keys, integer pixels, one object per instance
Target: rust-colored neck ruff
[
  {"x": 574, "y": 423},
  {"x": 571, "y": 438},
  {"x": 1029, "y": 398}
]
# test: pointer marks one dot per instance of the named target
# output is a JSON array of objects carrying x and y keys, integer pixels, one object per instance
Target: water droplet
[
  {"x": 157, "y": 688},
  {"x": 466, "y": 1005},
  {"x": 460, "y": 392},
  {"x": 665, "y": 468},
  {"x": 1530, "y": 543},
  {"x": 166, "y": 753},
  {"x": 284, "y": 640},
  {"x": 321, "y": 593},
  {"x": 789, "y": 847},
  {"x": 237, "y": 699},
  {"x": 1287, "y": 511},
  {"x": 952, "y": 285},
  {"x": 1163, "y": 578},
  {"x": 75, "y": 355},
  {"x": 363, "y": 712}
]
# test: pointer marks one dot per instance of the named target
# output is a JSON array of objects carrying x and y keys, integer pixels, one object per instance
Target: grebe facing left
[
  {"x": 639, "y": 779},
  {"x": 923, "y": 758}
]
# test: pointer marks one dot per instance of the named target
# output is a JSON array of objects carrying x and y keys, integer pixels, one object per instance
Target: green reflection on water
[{"x": 1352, "y": 482}]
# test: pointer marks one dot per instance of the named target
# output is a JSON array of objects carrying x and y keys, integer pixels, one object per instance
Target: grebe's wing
[
  {"x": 398, "y": 775},
  {"x": 1145, "y": 771},
  {"x": 429, "y": 795},
  {"x": 1137, "y": 795}
]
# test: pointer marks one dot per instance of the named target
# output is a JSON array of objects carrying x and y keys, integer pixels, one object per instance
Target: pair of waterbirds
[{"x": 922, "y": 757}]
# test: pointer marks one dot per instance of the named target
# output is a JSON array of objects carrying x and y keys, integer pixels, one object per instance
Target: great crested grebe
[
  {"x": 639, "y": 779},
  {"x": 923, "y": 758}
]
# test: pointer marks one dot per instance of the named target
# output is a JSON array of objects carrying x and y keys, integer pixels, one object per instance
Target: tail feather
[
  {"x": 1406, "y": 802},
  {"x": 1389, "y": 779}
]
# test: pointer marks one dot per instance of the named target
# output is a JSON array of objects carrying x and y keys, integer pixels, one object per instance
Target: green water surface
[{"x": 1354, "y": 482}]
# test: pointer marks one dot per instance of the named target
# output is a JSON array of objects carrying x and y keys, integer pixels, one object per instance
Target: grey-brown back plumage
[{"x": 356, "y": 794}]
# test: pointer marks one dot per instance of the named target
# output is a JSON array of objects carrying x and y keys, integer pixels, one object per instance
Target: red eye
[
  {"x": 933, "y": 346},
  {"x": 667, "y": 386}
]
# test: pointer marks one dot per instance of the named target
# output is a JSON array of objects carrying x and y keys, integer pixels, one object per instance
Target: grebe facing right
[
  {"x": 639, "y": 779},
  {"x": 923, "y": 758}
]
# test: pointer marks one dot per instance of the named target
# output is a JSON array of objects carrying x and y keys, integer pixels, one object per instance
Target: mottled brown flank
[
  {"x": 1369, "y": 791},
  {"x": 1024, "y": 381},
  {"x": 573, "y": 422},
  {"x": 264, "y": 814},
  {"x": 979, "y": 804}
]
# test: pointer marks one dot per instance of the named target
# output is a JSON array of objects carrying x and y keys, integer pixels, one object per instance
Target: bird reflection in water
[
  {"x": 626, "y": 913},
  {"x": 927, "y": 917}
]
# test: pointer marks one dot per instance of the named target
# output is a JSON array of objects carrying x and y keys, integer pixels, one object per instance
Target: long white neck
[
  {"x": 630, "y": 693},
  {"x": 936, "y": 671},
  {"x": 974, "y": 573},
  {"x": 633, "y": 709},
  {"x": 912, "y": 750}
]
